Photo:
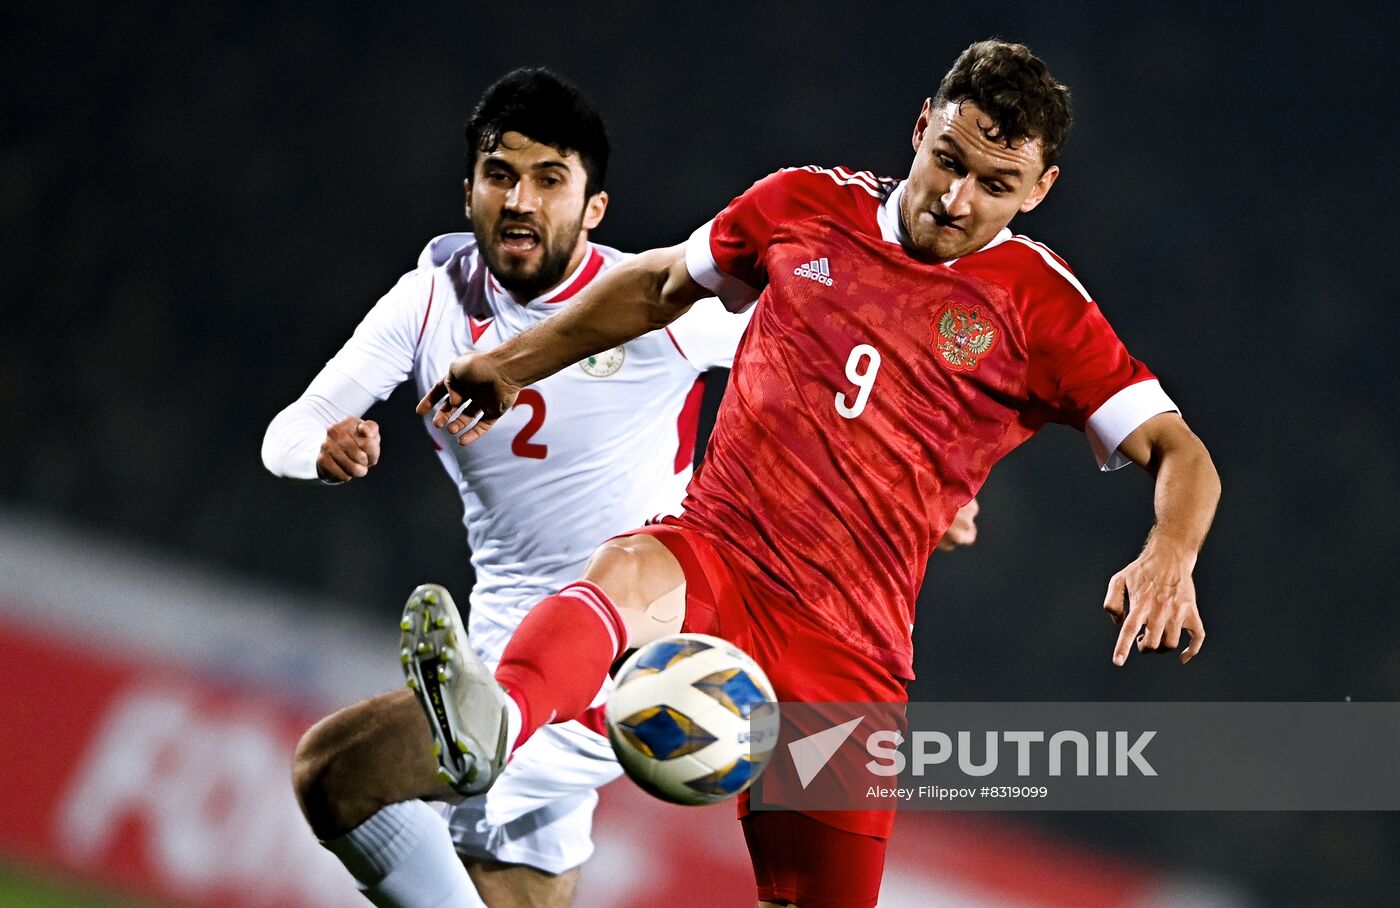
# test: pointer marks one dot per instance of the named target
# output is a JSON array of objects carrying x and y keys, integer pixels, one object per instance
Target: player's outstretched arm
[
  {"x": 645, "y": 293},
  {"x": 1154, "y": 597}
]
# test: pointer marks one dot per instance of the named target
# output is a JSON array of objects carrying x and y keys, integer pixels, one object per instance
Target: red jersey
[{"x": 873, "y": 393}]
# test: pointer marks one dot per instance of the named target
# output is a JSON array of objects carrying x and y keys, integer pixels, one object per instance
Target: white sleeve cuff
[
  {"x": 700, "y": 262},
  {"x": 1120, "y": 415},
  {"x": 292, "y": 443}
]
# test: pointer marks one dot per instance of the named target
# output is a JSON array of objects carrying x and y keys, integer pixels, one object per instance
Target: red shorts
[
  {"x": 805, "y": 664},
  {"x": 808, "y": 863}
]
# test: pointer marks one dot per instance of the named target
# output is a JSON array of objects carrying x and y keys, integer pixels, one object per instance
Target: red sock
[{"x": 560, "y": 654}]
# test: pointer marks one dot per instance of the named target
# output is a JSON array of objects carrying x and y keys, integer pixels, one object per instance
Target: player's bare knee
[{"x": 634, "y": 571}]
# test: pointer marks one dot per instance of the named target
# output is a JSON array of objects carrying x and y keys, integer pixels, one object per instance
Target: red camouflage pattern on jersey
[{"x": 839, "y": 516}]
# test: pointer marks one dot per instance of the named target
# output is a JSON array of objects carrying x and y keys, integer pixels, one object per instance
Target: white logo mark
[
  {"x": 815, "y": 270},
  {"x": 811, "y": 753}
]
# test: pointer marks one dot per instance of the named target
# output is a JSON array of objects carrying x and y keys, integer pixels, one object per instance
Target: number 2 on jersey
[
  {"x": 861, "y": 368},
  {"x": 521, "y": 445}
]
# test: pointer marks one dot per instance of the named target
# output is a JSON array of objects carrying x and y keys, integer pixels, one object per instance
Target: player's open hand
[
  {"x": 350, "y": 449},
  {"x": 469, "y": 398},
  {"x": 963, "y": 530},
  {"x": 1154, "y": 601}
]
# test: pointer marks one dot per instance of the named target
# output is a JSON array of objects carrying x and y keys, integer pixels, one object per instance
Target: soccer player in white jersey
[{"x": 587, "y": 454}]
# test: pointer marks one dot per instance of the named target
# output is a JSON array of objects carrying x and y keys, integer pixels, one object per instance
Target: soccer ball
[{"x": 693, "y": 720}]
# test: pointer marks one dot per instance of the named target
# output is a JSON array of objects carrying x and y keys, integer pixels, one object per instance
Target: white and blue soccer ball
[{"x": 693, "y": 719}]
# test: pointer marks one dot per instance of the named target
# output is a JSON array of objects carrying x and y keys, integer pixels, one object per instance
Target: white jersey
[{"x": 585, "y": 454}]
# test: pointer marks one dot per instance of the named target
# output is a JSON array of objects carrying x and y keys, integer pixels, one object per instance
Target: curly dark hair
[
  {"x": 1014, "y": 87},
  {"x": 540, "y": 104}
]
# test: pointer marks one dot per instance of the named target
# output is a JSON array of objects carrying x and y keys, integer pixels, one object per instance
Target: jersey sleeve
[
  {"x": 376, "y": 359},
  {"x": 292, "y": 443},
  {"x": 727, "y": 255},
  {"x": 708, "y": 334},
  {"x": 379, "y": 356},
  {"x": 1082, "y": 375}
]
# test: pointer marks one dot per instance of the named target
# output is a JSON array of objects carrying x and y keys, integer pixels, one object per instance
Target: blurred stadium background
[{"x": 199, "y": 201}]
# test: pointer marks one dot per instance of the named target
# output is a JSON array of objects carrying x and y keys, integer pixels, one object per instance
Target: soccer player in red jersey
[{"x": 904, "y": 341}]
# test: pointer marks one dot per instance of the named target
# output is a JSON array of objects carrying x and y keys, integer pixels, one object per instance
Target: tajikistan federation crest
[
  {"x": 963, "y": 335},
  {"x": 601, "y": 365}
]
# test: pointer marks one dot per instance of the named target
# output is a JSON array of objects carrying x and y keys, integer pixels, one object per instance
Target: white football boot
[{"x": 465, "y": 706}]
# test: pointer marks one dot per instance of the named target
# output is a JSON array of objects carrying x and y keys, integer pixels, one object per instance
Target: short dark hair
[
  {"x": 538, "y": 103},
  {"x": 1014, "y": 87}
]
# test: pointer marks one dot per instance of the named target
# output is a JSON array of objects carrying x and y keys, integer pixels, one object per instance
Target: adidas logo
[{"x": 816, "y": 270}]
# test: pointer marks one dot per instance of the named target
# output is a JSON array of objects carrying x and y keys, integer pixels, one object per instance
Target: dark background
[{"x": 199, "y": 201}]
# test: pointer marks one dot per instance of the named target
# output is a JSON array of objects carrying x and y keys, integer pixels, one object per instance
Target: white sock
[
  {"x": 513, "y": 723},
  {"x": 403, "y": 857}
]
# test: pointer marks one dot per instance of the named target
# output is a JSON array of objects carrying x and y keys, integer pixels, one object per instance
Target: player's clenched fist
[
  {"x": 350, "y": 449},
  {"x": 470, "y": 397},
  {"x": 1154, "y": 602}
]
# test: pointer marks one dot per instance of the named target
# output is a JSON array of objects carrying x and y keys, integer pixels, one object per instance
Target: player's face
[
  {"x": 963, "y": 187},
  {"x": 528, "y": 206}
]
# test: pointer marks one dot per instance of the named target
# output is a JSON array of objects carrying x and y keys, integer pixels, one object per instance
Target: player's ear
[
  {"x": 921, "y": 124},
  {"x": 594, "y": 210},
  {"x": 1042, "y": 186},
  {"x": 467, "y": 196}
]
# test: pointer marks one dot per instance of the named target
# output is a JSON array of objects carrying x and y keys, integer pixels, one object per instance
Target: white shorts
[{"x": 540, "y": 812}]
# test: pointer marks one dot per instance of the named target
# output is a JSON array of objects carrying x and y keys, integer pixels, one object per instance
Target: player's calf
[
  {"x": 556, "y": 662},
  {"x": 518, "y": 886},
  {"x": 363, "y": 758}
]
